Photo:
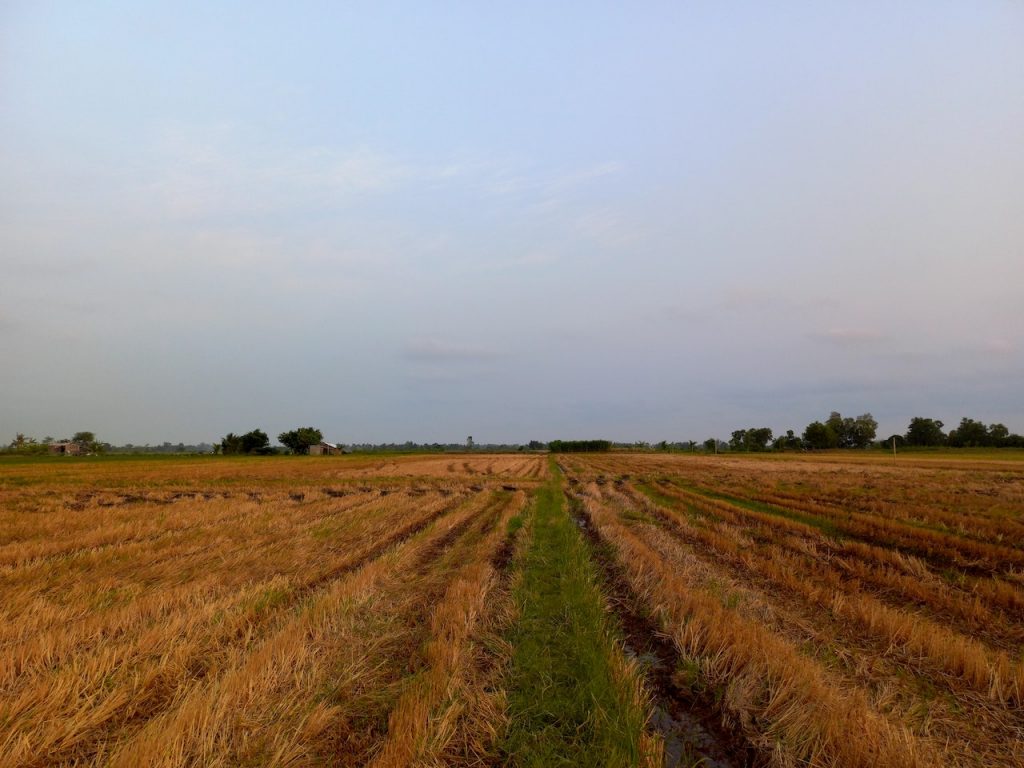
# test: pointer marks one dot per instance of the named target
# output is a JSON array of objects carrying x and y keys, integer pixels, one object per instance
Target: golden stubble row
[
  {"x": 990, "y": 605},
  {"x": 459, "y": 467},
  {"x": 66, "y": 689},
  {"x": 782, "y": 702},
  {"x": 975, "y": 500},
  {"x": 824, "y": 586},
  {"x": 351, "y": 644},
  {"x": 776, "y": 573},
  {"x": 119, "y": 587},
  {"x": 426, "y": 717}
]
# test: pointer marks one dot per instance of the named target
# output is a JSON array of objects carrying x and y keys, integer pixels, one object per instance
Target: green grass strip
[
  {"x": 822, "y": 524},
  {"x": 664, "y": 500},
  {"x": 570, "y": 702}
]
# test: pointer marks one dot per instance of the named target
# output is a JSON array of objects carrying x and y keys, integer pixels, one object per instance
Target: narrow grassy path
[{"x": 572, "y": 697}]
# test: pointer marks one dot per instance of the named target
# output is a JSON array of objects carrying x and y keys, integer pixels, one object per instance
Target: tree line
[
  {"x": 299, "y": 440},
  {"x": 24, "y": 444},
  {"x": 579, "y": 446},
  {"x": 969, "y": 434},
  {"x": 256, "y": 442},
  {"x": 838, "y": 431}
]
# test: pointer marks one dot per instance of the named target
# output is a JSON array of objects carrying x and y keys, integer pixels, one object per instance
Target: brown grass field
[{"x": 835, "y": 610}]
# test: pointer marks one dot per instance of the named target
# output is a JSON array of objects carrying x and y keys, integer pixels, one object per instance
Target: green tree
[
  {"x": 788, "y": 442},
  {"x": 820, "y": 436},
  {"x": 753, "y": 439},
  {"x": 927, "y": 432},
  {"x": 998, "y": 435},
  {"x": 758, "y": 438},
  {"x": 88, "y": 441},
  {"x": 838, "y": 427},
  {"x": 28, "y": 445},
  {"x": 231, "y": 443},
  {"x": 300, "y": 439},
  {"x": 251, "y": 442},
  {"x": 861, "y": 432},
  {"x": 852, "y": 433},
  {"x": 970, "y": 434},
  {"x": 255, "y": 442}
]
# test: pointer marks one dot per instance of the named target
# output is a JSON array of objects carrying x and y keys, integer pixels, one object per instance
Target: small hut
[
  {"x": 67, "y": 448},
  {"x": 325, "y": 449}
]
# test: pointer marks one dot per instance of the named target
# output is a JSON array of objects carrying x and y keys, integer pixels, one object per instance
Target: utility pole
[{"x": 894, "y": 449}]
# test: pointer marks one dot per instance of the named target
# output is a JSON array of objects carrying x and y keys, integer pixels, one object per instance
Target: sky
[{"x": 528, "y": 220}]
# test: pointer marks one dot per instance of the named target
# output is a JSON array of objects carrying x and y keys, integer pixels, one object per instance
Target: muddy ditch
[{"x": 687, "y": 721}]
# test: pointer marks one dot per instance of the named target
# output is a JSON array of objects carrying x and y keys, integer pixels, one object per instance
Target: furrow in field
[
  {"x": 990, "y": 591},
  {"x": 683, "y": 718},
  {"x": 961, "y": 658},
  {"x": 783, "y": 702},
  {"x": 857, "y": 658},
  {"x": 940, "y": 548},
  {"x": 149, "y": 667},
  {"x": 143, "y": 525},
  {"x": 242, "y": 559},
  {"x": 977, "y": 503},
  {"x": 994, "y": 541},
  {"x": 895, "y": 578},
  {"x": 977, "y": 526},
  {"x": 141, "y": 559},
  {"x": 353, "y": 646},
  {"x": 471, "y": 736},
  {"x": 425, "y": 720}
]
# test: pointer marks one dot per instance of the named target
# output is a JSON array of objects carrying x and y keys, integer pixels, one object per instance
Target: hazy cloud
[
  {"x": 999, "y": 346},
  {"x": 204, "y": 172},
  {"x": 510, "y": 178},
  {"x": 434, "y": 350},
  {"x": 849, "y": 337}
]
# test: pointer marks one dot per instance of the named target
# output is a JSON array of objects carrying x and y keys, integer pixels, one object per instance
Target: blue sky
[{"x": 516, "y": 221}]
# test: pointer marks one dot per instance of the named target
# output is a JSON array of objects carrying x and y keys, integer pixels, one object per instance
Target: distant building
[
  {"x": 67, "y": 448},
  {"x": 325, "y": 449}
]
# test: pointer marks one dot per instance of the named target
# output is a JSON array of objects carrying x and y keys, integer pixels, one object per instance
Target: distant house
[
  {"x": 325, "y": 449},
  {"x": 67, "y": 448}
]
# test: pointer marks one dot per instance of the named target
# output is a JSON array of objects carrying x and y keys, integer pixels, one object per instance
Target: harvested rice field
[{"x": 525, "y": 610}]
